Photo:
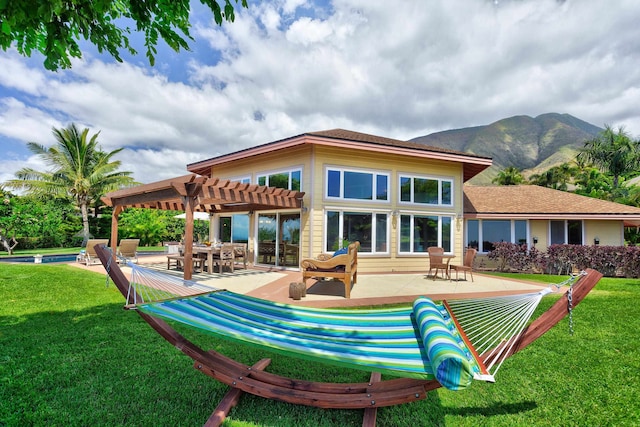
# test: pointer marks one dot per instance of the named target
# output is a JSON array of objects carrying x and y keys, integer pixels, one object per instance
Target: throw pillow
[{"x": 341, "y": 251}]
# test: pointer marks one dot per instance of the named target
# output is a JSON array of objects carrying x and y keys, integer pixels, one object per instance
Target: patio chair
[
  {"x": 128, "y": 249},
  {"x": 437, "y": 261},
  {"x": 178, "y": 260},
  {"x": 227, "y": 256},
  {"x": 241, "y": 253},
  {"x": 469, "y": 256},
  {"x": 90, "y": 257}
]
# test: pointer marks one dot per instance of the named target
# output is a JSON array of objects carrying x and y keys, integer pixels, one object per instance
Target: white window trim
[
  {"x": 343, "y": 210},
  {"x": 413, "y": 214},
  {"x": 242, "y": 179},
  {"x": 288, "y": 171},
  {"x": 440, "y": 180},
  {"x": 512, "y": 228},
  {"x": 342, "y": 170}
]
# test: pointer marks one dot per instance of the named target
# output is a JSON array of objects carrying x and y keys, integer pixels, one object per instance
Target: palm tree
[
  {"x": 557, "y": 177},
  {"x": 613, "y": 152},
  {"x": 79, "y": 169},
  {"x": 509, "y": 176}
]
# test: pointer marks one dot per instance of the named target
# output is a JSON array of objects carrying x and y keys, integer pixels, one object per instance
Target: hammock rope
[{"x": 429, "y": 340}]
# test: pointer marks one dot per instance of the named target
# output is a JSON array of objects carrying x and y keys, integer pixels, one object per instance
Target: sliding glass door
[{"x": 278, "y": 239}]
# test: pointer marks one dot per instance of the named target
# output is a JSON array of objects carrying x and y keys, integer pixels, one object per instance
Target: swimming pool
[{"x": 46, "y": 259}]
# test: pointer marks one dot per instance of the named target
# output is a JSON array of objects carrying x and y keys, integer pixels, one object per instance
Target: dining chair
[{"x": 226, "y": 257}]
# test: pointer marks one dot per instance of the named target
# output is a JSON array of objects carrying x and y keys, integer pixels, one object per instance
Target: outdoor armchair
[{"x": 343, "y": 267}]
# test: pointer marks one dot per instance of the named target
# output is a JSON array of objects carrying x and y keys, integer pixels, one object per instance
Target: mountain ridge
[{"x": 531, "y": 144}]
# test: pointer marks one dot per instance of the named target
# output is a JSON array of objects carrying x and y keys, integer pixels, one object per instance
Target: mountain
[{"x": 532, "y": 145}]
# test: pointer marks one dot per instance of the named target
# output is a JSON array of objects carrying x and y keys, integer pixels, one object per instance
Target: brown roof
[
  {"x": 534, "y": 202},
  {"x": 348, "y": 135},
  {"x": 472, "y": 164}
]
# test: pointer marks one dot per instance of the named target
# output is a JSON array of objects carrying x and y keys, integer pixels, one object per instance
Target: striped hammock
[{"x": 425, "y": 341}]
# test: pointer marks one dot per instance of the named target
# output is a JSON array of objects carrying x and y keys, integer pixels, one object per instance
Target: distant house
[{"x": 541, "y": 216}]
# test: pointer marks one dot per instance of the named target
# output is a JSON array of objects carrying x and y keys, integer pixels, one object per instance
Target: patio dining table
[{"x": 210, "y": 251}]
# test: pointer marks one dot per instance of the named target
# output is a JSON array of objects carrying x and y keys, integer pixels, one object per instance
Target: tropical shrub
[
  {"x": 514, "y": 256},
  {"x": 563, "y": 259}
]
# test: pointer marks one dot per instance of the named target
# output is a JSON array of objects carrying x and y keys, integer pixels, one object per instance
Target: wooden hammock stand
[{"x": 369, "y": 395}]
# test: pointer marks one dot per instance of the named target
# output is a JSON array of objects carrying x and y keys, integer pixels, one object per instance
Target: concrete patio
[{"x": 371, "y": 289}]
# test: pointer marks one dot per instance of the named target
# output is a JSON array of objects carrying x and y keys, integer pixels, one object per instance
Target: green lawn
[{"x": 71, "y": 356}]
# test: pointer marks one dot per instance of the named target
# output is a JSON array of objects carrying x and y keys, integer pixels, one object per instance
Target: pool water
[{"x": 46, "y": 259}]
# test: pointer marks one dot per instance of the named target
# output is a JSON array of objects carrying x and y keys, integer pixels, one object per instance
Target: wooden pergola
[{"x": 194, "y": 193}]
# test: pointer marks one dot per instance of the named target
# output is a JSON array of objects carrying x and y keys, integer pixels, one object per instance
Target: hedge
[{"x": 611, "y": 261}]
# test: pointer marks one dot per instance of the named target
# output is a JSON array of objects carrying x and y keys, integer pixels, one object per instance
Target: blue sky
[{"x": 399, "y": 70}]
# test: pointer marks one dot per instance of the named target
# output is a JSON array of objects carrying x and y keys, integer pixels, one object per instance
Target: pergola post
[{"x": 188, "y": 237}]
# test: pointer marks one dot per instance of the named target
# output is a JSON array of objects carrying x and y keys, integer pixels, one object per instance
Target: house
[
  {"x": 540, "y": 217},
  {"x": 396, "y": 198},
  {"x": 312, "y": 193}
]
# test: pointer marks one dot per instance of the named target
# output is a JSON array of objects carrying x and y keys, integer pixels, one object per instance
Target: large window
[
  {"x": 426, "y": 190},
  {"x": 356, "y": 185},
  {"x": 566, "y": 232},
  {"x": 419, "y": 232},
  {"x": 370, "y": 229},
  {"x": 290, "y": 180},
  {"x": 482, "y": 234}
]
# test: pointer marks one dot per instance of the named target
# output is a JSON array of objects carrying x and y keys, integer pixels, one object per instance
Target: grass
[{"x": 71, "y": 356}]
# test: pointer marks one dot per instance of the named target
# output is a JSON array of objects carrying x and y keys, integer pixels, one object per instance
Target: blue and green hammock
[
  {"x": 426, "y": 341},
  {"x": 422, "y": 343}
]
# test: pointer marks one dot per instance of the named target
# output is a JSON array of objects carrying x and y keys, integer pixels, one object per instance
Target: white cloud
[
  {"x": 287, "y": 67},
  {"x": 159, "y": 164},
  {"x": 17, "y": 75}
]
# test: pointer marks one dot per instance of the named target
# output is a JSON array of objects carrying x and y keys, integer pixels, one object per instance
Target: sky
[{"x": 285, "y": 67}]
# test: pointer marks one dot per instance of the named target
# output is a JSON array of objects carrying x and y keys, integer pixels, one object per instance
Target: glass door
[{"x": 278, "y": 239}]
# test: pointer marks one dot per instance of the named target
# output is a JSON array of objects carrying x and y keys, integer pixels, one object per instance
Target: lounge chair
[
  {"x": 129, "y": 249},
  {"x": 343, "y": 267},
  {"x": 469, "y": 256},
  {"x": 89, "y": 256},
  {"x": 437, "y": 261}
]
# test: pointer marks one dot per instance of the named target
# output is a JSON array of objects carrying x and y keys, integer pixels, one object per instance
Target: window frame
[
  {"x": 374, "y": 229},
  {"x": 439, "y": 179},
  {"x": 289, "y": 172},
  {"x": 512, "y": 232},
  {"x": 440, "y": 231},
  {"x": 565, "y": 225},
  {"x": 374, "y": 184},
  {"x": 244, "y": 179}
]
